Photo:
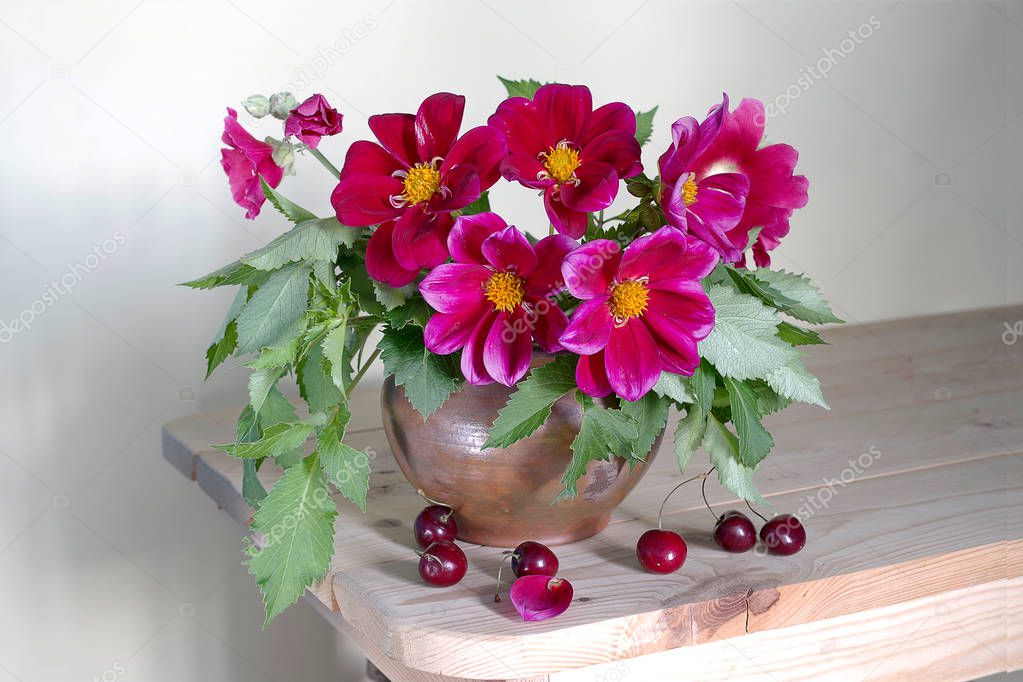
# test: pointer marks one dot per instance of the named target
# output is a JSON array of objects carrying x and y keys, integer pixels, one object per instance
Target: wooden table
[{"x": 913, "y": 568}]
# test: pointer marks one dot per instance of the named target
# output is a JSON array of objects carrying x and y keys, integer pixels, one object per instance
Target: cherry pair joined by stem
[{"x": 441, "y": 563}]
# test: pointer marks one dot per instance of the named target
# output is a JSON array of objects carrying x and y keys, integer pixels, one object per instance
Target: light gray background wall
[{"x": 110, "y": 116}]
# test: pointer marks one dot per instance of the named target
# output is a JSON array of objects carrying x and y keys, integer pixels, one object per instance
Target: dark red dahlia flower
[{"x": 558, "y": 143}]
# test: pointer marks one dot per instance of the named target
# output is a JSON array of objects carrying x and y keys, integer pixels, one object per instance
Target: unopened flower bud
[
  {"x": 281, "y": 104},
  {"x": 257, "y": 105},
  {"x": 283, "y": 154},
  {"x": 637, "y": 188},
  {"x": 649, "y": 217}
]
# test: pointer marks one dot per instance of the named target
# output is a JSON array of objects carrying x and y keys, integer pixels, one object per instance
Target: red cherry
[
  {"x": 442, "y": 564},
  {"x": 533, "y": 558},
  {"x": 434, "y": 524},
  {"x": 783, "y": 534},
  {"x": 661, "y": 551},
  {"x": 734, "y": 532}
]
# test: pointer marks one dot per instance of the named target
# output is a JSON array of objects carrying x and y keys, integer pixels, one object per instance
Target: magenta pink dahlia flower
[
  {"x": 495, "y": 299},
  {"x": 245, "y": 160},
  {"x": 419, "y": 173},
  {"x": 707, "y": 206},
  {"x": 774, "y": 192},
  {"x": 313, "y": 119},
  {"x": 557, "y": 143},
  {"x": 643, "y": 310}
]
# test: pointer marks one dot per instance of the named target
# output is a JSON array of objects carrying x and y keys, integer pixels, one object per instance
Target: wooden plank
[{"x": 948, "y": 636}]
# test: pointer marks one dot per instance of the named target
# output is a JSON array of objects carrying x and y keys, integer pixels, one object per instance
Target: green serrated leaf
[
  {"x": 522, "y": 88},
  {"x": 748, "y": 284},
  {"x": 252, "y": 488},
  {"x": 530, "y": 405},
  {"x": 276, "y": 408},
  {"x": 275, "y": 311},
  {"x": 271, "y": 357},
  {"x": 674, "y": 386},
  {"x": 222, "y": 348},
  {"x": 795, "y": 381},
  {"x": 279, "y": 439},
  {"x": 744, "y": 342},
  {"x": 481, "y": 205},
  {"x": 362, "y": 287},
  {"x": 604, "y": 433},
  {"x": 703, "y": 383},
  {"x": 315, "y": 384},
  {"x": 428, "y": 379},
  {"x": 312, "y": 240},
  {"x": 261, "y": 381},
  {"x": 754, "y": 440},
  {"x": 651, "y": 414},
  {"x": 809, "y": 304},
  {"x": 414, "y": 311},
  {"x": 334, "y": 351},
  {"x": 798, "y": 336},
  {"x": 288, "y": 208},
  {"x": 645, "y": 125},
  {"x": 768, "y": 401},
  {"x": 723, "y": 448},
  {"x": 232, "y": 274},
  {"x": 296, "y": 522},
  {"x": 391, "y": 297},
  {"x": 688, "y": 435},
  {"x": 345, "y": 467}
]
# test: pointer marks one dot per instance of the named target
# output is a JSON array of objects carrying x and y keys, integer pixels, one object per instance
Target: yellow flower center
[
  {"x": 628, "y": 300},
  {"x": 561, "y": 161},
  {"x": 504, "y": 290},
  {"x": 421, "y": 182},
  {"x": 689, "y": 190}
]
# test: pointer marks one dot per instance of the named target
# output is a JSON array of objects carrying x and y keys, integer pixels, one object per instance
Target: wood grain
[{"x": 924, "y": 519}]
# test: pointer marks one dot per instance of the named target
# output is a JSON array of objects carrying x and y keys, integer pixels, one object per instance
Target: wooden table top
[{"x": 912, "y": 488}]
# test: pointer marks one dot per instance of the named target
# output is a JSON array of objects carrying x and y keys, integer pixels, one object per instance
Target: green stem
[
  {"x": 362, "y": 371},
  {"x": 323, "y": 159}
]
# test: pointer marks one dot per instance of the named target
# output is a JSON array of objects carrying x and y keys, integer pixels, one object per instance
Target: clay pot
[{"x": 503, "y": 496}]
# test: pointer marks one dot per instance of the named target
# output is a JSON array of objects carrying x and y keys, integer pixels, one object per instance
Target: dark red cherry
[
  {"x": 435, "y": 523},
  {"x": 661, "y": 551},
  {"x": 442, "y": 564},
  {"x": 533, "y": 558},
  {"x": 783, "y": 534},
  {"x": 734, "y": 532}
]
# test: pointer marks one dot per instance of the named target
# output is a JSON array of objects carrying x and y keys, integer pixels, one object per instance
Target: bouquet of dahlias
[{"x": 659, "y": 304}]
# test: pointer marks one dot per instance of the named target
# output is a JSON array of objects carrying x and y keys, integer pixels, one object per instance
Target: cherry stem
[
  {"x": 500, "y": 567},
  {"x": 764, "y": 518},
  {"x": 435, "y": 502},
  {"x": 703, "y": 492},
  {"x": 660, "y": 512}
]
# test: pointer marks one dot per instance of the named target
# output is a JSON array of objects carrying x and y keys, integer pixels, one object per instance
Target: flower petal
[
  {"x": 611, "y": 116},
  {"x": 654, "y": 256},
  {"x": 546, "y": 279},
  {"x": 396, "y": 133},
  {"x": 773, "y": 183},
  {"x": 380, "y": 261},
  {"x": 437, "y": 123},
  {"x": 688, "y": 313},
  {"x": 590, "y": 269},
  {"x": 420, "y": 238},
  {"x": 518, "y": 118},
  {"x": 589, "y": 327},
  {"x": 447, "y": 332},
  {"x": 566, "y": 109},
  {"x": 369, "y": 158},
  {"x": 509, "y": 347},
  {"x": 618, "y": 149},
  {"x": 462, "y": 187},
  {"x": 565, "y": 220},
  {"x": 484, "y": 148},
  {"x": 591, "y": 376},
  {"x": 524, "y": 169},
  {"x": 473, "y": 368},
  {"x": 365, "y": 199},
  {"x": 549, "y": 323},
  {"x": 453, "y": 287},
  {"x": 596, "y": 189},
  {"x": 510, "y": 251},
  {"x": 539, "y": 597},
  {"x": 632, "y": 360},
  {"x": 466, "y": 239}
]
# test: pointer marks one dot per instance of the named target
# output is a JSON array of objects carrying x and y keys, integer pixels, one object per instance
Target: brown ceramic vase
[{"x": 503, "y": 496}]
